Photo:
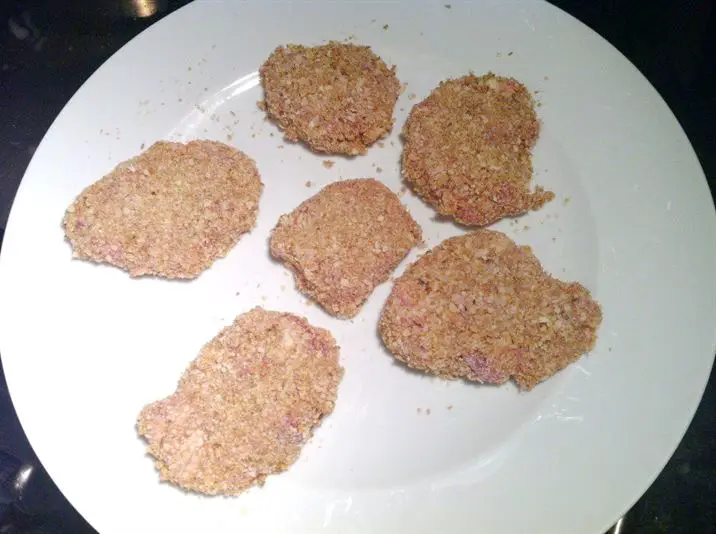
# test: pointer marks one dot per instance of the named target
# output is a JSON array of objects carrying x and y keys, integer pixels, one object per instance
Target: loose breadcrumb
[{"x": 246, "y": 406}]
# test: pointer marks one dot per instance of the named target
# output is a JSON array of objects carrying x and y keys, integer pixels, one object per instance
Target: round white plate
[{"x": 85, "y": 346}]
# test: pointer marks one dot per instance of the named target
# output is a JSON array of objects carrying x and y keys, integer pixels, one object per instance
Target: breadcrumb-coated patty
[
  {"x": 344, "y": 241},
  {"x": 337, "y": 98},
  {"x": 170, "y": 212},
  {"x": 245, "y": 406},
  {"x": 481, "y": 308},
  {"x": 467, "y": 149}
]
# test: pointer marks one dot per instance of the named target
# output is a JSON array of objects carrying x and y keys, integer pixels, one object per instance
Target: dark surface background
[{"x": 49, "y": 48}]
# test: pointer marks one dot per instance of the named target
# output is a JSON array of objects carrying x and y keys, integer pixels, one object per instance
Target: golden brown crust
[
  {"x": 480, "y": 307},
  {"x": 467, "y": 149},
  {"x": 171, "y": 211},
  {"x": 344, "y": 241},
  {"x": 246, "y": 406},
  {"x": 338, "y": 98}
]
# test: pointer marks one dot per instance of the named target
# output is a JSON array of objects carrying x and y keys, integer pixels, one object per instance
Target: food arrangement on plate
[{"x": 476, "y": 307}]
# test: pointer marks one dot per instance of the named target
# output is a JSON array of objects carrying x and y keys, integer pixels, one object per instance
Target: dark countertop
[{"x": 48, "y": 51}]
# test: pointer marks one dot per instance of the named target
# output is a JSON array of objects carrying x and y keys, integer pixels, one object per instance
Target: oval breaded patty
[
  {"x": 246, "y": 406},
  {"x": 481, "y": 308},
  {"x": 344, "y": 241},
  {"x": 337, "y": 98},
  {"x": 467, "y": 149},
  {"x": 170, "y": 212}
]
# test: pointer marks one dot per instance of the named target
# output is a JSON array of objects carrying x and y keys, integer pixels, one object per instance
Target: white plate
[{"x": 85, "y": 347}]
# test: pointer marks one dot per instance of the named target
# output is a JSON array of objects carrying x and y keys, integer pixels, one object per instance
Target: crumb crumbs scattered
[
  {"x": 554, "y": 240},
  {"x": 238, "y": 293},
  {"x": 141, "y": 147},
  {"x": 327, "y": 163},
  {"x": 419, "y": 410},
  {"x": 392, "y": 143},
  {"x": 261, "y": 104},
  {"x": 308, "y": 183},
  {"x": 381, "y": 144},
  {"x": 546, "y": 78},
  {"x": 567, "y": 200},
  {"x": 510, "y": 53},
  {"x": 378, "y": 169},
  {"x": 279, "y": 147},
  {"x": 271, "y": 134},
  {"x": 449, "y": 406},
  {"x": 412, "y": 96},
  {"x": 448, "y": 6},
  {"x": 233, "y": 113},
  {"x": 385, "y": 26},
  {"x": 427, "y": 411}
]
